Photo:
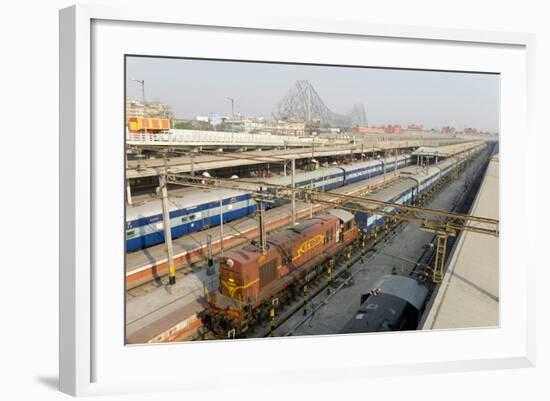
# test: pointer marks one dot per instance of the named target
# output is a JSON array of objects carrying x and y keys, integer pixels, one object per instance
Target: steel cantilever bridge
[{"x": 303, "y": 102}]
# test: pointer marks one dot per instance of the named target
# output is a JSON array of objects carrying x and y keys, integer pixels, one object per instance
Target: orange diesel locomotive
[{"x": 250, "y": 280}]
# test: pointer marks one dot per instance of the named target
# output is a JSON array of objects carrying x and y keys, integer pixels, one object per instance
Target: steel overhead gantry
[
  {"x": 442, "y": 223},
  {"x": 454, "y": 221}
]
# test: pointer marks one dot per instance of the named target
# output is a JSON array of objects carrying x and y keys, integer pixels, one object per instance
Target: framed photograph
[{"x": 265, "y": 192}]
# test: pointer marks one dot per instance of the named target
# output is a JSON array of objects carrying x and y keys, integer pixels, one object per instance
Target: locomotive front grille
[{"x": 268, "y": 272}]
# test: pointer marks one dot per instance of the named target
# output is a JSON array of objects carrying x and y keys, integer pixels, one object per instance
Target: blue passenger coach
[
  {"x": 200, "y": 209},
  {"x": 362, "y": 171},
  {"x": 404, "y": 193},
  {"x": 193, "y": 212}
]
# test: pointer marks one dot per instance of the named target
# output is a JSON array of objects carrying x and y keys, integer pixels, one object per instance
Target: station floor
[
  {"x": 469, "y": 293},
  {"x": 157, "y": 307}
]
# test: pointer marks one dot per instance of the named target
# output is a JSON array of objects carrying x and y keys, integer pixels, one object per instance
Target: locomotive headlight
[{"x": 229, "y": 262}]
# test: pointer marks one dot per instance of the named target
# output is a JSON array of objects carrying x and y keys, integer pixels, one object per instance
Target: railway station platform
[
  {"x": 165, "y": 313},
  {"x": 469, "y": 293},
  {"x": 200, "y": 162},
  {"x": 446, "y": 150}
]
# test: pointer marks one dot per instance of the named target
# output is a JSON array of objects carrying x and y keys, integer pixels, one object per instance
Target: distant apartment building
[
  {"x": 368, "y": 130},
  {"x": 448, "y": 130},
  {"x": 394, "y": 129},
  {"x": 138, "y": 109},
  {"x": 472, "y": 131},
  {"x": 388, "y": 129},
  {"x": 239, "y": 123},
  {"x": 415, "y": 127},
  {"x": 203, "y": 119},
  {"x": 297, "y": 128},
  {"x": 259, "y": 124}
]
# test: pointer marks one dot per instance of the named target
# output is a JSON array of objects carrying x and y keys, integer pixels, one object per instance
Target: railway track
[
  {"x": 422, "y": 264},
  {"x": 342, "y": 277}
]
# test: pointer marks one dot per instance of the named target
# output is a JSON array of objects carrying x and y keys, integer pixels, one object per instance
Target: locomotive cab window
[{"x": 287, "y": 260}]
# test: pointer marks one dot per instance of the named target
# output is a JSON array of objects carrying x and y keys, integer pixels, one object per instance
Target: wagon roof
[
  {"x": 343, "y": 215},
  {"x": 405, "y": 288},
  {"x": 187, "y": 201}
]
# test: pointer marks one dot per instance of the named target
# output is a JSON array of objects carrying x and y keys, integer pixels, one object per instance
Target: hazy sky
[{"x": 435, "y": 99}]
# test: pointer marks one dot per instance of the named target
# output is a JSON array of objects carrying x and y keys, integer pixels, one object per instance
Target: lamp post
[
  {"x": 232, "y": 106},
  {"x": 163, "y": 188},
  {"x": 293, "y": 166},
  {"x": 128, "y": 189},
  {"x": 142, "y": 83}
]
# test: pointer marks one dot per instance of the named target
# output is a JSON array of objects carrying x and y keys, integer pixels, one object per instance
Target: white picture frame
[{"x": 91, "y": 362}]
